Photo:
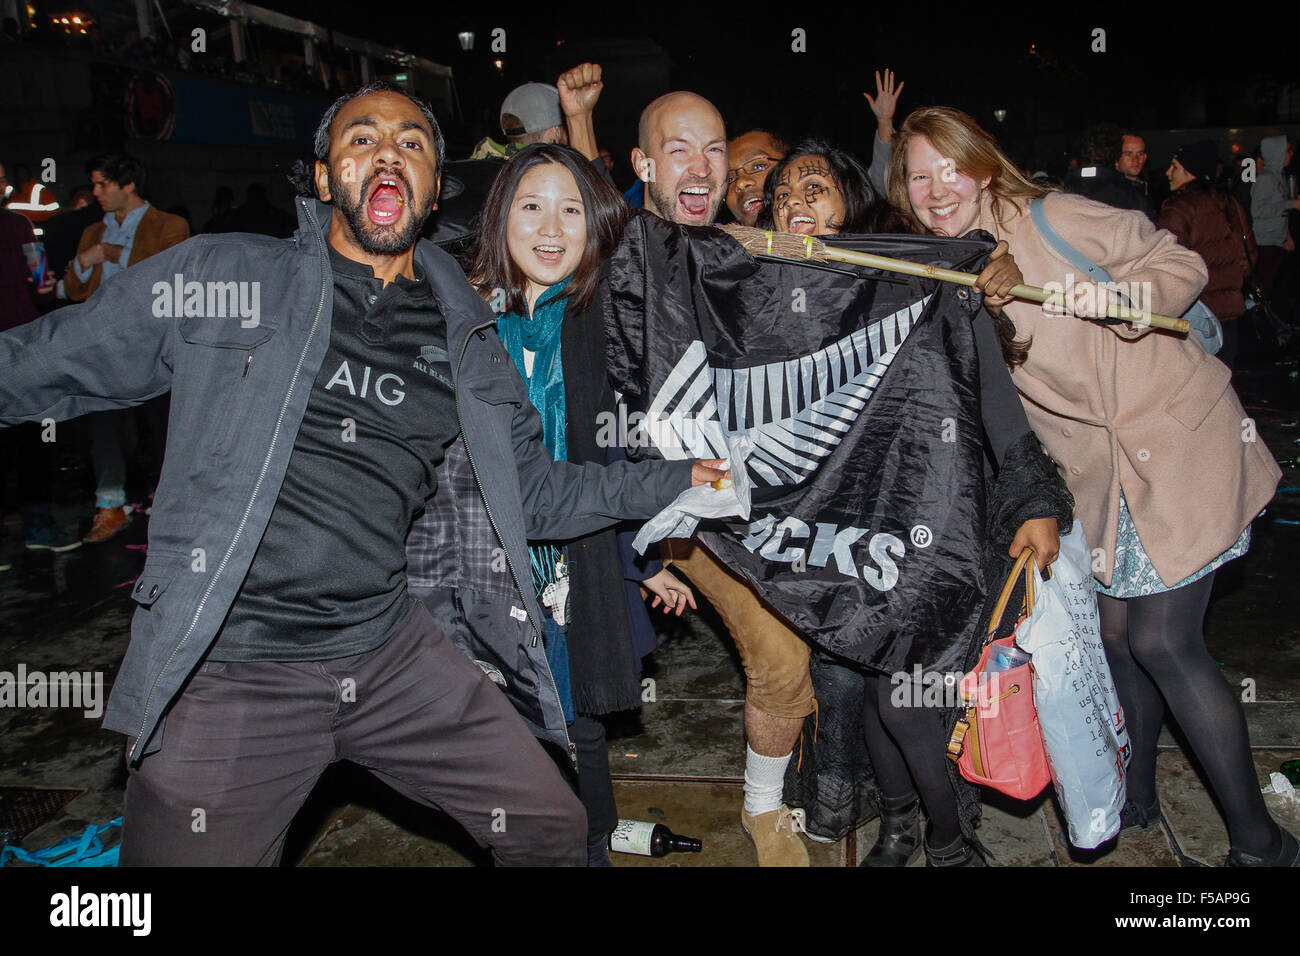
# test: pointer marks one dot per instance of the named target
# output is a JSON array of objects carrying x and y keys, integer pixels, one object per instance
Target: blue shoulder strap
[
  {"x": 1204, "y": 323},
  {"x": 1076, "y": 258}
]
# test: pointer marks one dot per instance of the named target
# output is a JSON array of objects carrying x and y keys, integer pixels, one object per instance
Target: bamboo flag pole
[{"x": 789, "y": 246}]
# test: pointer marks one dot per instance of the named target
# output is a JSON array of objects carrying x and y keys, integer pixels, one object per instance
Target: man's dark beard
[
  {"x": 667, "y": 200},
  {"x": 388, "y": 242}
]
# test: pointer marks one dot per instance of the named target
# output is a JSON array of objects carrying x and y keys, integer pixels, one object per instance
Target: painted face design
[{"x": 808, "y": 200}]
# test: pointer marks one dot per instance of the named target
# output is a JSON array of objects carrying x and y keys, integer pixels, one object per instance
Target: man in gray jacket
[
  {"x": 1270, "y": 202},
  {"x": 315, "y": 385}
]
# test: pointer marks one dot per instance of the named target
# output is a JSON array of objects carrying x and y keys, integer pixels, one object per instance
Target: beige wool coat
[{"x": 1122, "y": 406}]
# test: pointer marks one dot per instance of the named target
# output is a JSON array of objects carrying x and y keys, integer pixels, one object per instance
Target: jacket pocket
[
  {"x": 230, "y": 364},
  {"x": 489, "y": 374},
  {"x": 1194, "y": 399},
  {"x": 495, "y": 639},
  {"x": 224, "y": 332},
  {"x": 496, "y": 389}
]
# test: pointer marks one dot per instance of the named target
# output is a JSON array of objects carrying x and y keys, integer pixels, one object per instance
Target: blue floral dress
[{"x": 1134, "y": 574}]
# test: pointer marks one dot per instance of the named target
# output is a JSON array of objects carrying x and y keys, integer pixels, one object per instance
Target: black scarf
[{"x": 603, "y": 665}]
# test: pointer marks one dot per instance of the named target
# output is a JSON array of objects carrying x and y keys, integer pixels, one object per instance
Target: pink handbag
[{"x": 998, "y": 743}]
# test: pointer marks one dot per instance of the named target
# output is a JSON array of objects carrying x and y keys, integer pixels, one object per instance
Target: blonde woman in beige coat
[{"x": 1150, "y": 437}]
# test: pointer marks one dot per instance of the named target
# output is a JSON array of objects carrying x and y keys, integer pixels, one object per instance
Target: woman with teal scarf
[
  {"x": 533, "y": 343},
  {"x": 548, "y": 223}
]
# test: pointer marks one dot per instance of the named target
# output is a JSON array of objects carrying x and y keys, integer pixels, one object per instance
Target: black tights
[
  {"x": 907, "y": 753},
  {"x": 1157, "y": 655}
]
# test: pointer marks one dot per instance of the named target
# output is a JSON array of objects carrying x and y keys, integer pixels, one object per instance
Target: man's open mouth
[
  {"x": 694, "y": 201},
  {"x": 752, "y": 206},
  {"x": 386, "y": 201}
]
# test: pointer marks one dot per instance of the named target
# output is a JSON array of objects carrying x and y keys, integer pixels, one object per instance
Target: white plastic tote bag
[{"x": 1082, "y": 722}]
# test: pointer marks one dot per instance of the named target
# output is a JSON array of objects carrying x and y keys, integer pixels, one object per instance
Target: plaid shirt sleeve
[{"x": 453, "y": 544}]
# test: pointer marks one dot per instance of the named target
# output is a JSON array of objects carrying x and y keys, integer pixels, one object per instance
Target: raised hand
[
  {"x": 579, "y": 88},
  {"x": 885, "y": 102}
]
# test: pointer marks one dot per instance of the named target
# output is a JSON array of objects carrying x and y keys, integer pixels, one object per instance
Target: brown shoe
[
  {"x": 776, "y": 837},
  {"x": 109, "y": 522}
]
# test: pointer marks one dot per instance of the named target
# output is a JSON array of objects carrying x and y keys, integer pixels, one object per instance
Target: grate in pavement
[{"x": 26, "y": 808}]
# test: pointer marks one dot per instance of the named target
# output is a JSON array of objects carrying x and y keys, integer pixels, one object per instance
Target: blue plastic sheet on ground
[{"x": 84, "y": 850}]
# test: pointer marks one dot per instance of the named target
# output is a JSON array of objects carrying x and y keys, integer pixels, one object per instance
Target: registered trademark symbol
[{"x": 921, "y": 536}]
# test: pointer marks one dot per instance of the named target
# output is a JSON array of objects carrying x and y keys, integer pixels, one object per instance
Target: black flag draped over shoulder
[{"x": 860, "y": 392}]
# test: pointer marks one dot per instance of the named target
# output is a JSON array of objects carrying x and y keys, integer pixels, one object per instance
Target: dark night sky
[{"x": 1155, "y": 72}]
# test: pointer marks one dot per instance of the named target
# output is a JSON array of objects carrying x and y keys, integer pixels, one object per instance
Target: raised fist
[{"x": 579, "y": 88}]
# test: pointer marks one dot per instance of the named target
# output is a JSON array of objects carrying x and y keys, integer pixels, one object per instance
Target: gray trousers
[{"x": 246, "y": 742}]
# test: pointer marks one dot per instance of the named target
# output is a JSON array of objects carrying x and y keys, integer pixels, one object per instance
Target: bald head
[
  {"x": 674, "y": 105},
  {"x": 681, "y": 156}
]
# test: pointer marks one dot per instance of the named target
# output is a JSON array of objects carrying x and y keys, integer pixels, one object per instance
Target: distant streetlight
[
  {"x": 466, "y": 38},
  {"x": 1000, "y": 115},
  {"x": 500, "y": 65}
]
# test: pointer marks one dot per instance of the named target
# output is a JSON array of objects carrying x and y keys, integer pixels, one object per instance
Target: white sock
[{"x": 764, "y": 781}]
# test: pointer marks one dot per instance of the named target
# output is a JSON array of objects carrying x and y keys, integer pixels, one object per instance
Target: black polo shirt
[{"x": 329, "y": 577}]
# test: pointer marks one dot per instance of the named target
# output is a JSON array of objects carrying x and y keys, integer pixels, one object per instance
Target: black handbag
[{"x": 1274, "y": 333}]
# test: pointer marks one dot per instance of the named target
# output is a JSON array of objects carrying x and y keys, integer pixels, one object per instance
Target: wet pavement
[{"x": 680, "y": 761}]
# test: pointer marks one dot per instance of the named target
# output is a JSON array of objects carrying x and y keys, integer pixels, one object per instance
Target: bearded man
[{"x": 274, "y": 633}]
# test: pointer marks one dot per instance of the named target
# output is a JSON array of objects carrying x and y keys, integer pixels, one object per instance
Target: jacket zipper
[
  {"x": 537, "y": 630},
  {"x": 198, "y": 611}
]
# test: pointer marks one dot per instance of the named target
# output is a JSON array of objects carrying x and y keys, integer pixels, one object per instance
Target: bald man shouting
[{"x": 681, "y": 156}]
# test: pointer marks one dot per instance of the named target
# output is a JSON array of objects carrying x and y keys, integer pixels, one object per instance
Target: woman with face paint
[
  {"x": 548, "y": 223},
  {"x": 821, "y": 190},
  {"x": 1149, "y": 436}
]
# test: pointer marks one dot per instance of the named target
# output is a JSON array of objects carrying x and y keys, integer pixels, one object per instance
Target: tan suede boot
[
  {"x": 109, "y": 523},
  {"x": 776, "y": 836}
]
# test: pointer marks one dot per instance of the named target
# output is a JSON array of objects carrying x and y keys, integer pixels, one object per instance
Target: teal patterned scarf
[{"x": 541, "y": 336}]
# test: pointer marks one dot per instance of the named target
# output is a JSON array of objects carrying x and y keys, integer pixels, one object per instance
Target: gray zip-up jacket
[
  {"x": 1269, "y": 201},
  {"x": 239, "y": 391}
]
